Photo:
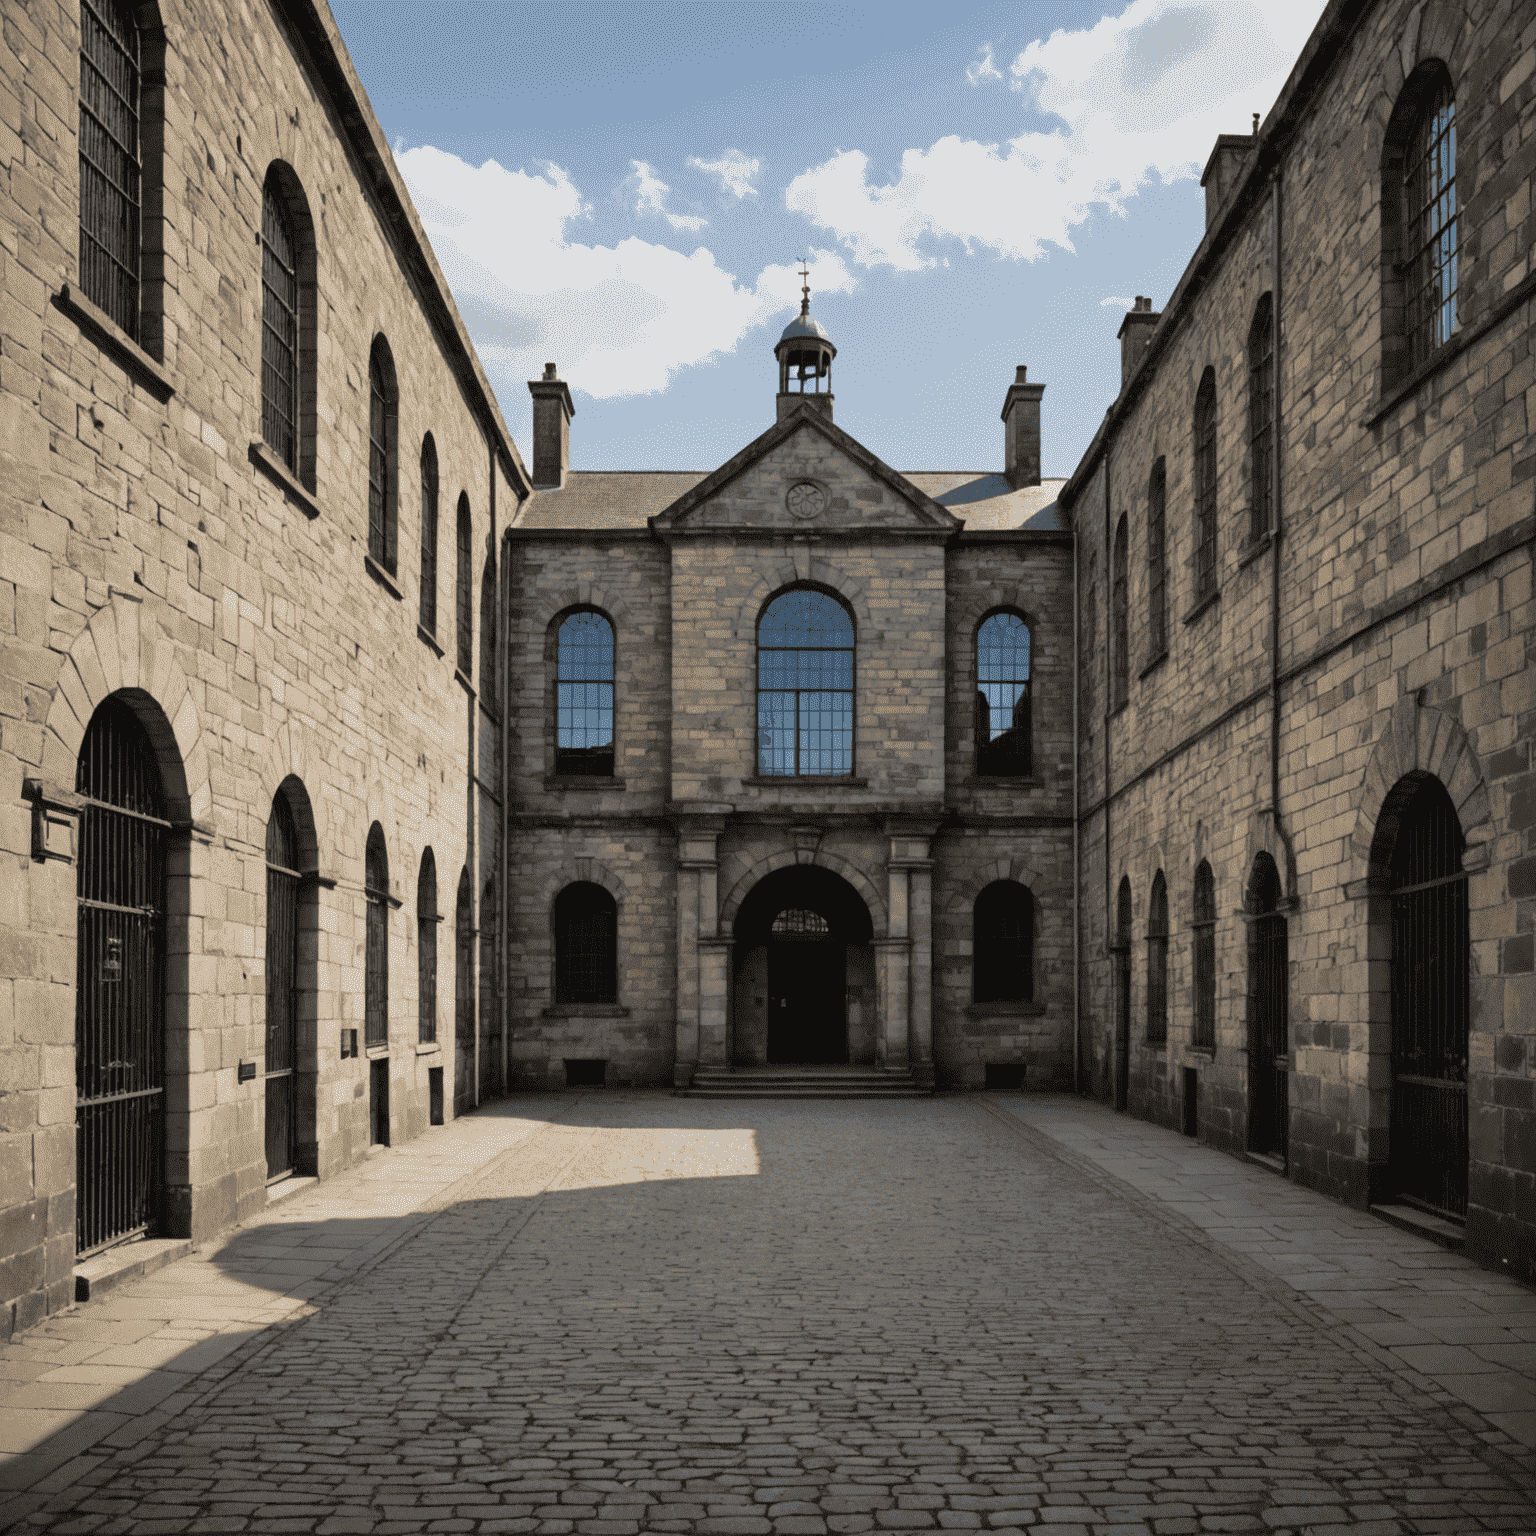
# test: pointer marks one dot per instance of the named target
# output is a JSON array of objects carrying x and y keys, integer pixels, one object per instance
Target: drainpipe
[
  {"x": 1077, "y": 894},
  {"x": 1109, "y": 649},
  {"x": 1274, "y": 521},
  {"x": 498, "y": 672}
]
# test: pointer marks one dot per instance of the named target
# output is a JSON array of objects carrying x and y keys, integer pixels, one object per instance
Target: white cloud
[
  {"x": 1114, "y": 301},
  {"x": 651, "y": 197},
  {"x": 619, "y": 320},
  {"x": 736, "y": 172},
  {"x": 1141, "y": 94},
  {"x": 985, "y": 68}
]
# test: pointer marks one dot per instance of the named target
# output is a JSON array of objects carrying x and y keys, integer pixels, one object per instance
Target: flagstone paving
[{"x": 626, "y": 1312}]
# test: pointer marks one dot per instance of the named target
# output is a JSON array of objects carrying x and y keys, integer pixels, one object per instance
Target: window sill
[
  {"x": 1208, "y": 601},
  {"x": 593, "y": 781},
  {"x": 1152, "y": 665},
  {"x": 383, "y": 577},
  {"x": 111, "y": 337},
  {"x": 585, "y": 1011},
  {"x": 376, "y": 1052},
  {"x": 1248, "y": 553},
  {"x": 817, "y": 781},
  {"x": 269, "y": 463},
  {"x": 463, "y": 681},
  {"x": 427, "y": 638},
  {"x": 1000, "y": 781},
  {"x": 1010, "y": 1010},
  {"x": 428, "y": 1047}
]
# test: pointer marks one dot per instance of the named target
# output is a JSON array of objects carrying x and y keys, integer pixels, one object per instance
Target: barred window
[
  {"x": 463, "y": 597},
  {"x": 279, "y": 327},
  {"x": 1205, "y": 486},
  {"x": 1004, "y": 707},
  {"x": 429, "y": 535},
  {"x": 488, "y": 689},
  {"x": 110, "y": 168},
  {"x": 1261, "y": 418},
  {"x": 1157, "y": 558},
  {"x": 1157, "y": 961},
  {"x": 376, "y": 947},
  {"x": 586, "y": 945},
  {"x": 426, "y": 950},
  {"x": 1429, "y": 198},
  {"x": 1003, "y": 944},
  {"x": 383, "y": 509},
  {"x": 1205, "y": 958},
  {"x": 805, "y": 645},
  {"x": 584, "y": 695},
  {"x": 1120, "y": 618}
]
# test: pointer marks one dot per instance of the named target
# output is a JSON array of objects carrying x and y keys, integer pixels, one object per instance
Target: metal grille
[
  {"x": 279, "y": 329},
  {"x": 805, "y": 686},
  {"x": 1120, "y": 617},
  {"x": 1205, "y": 486},
  {"x": 1157, "y": 962},
  {"x": 1429, "y": 196},
  {"x": 380, "y": 502},
  {"x": 1157, "y": 557},
  {"x": 463, "y": 599},
  {"x": 1269, "y": 1061},
  {"x": 463, "y": 995},
  {"x": 426, "y": 950},
  {"x": 109, "y": 161},
  {"x": 586, "y": 945},
  {"x": 798, "y": 923},
  {"x": 1205, "y": 958},
  {"x": 1003, "y": 944},
  {"x": 584, "y": 695},
  {"x": 429, "y": 536},
  {"x": 1004, "y": 720},
  {"x": 282, "y": 987},
  {"x": 120, "y": 982},
  {"x": 1261, "y": 417},
  {"x": 376, "y": 943},
  {"x": 1430, "y": 1012}
]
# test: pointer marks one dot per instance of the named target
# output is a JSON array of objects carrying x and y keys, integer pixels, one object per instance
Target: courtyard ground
[{"x": 627, "y": 1312}]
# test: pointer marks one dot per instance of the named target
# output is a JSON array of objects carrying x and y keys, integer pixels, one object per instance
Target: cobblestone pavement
[{"x": 634, "y": 1313}]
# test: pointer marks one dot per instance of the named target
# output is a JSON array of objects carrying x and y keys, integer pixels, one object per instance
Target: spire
[{"x": 805, "y": 289}]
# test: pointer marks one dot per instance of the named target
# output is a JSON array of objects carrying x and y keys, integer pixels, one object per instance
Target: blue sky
[{"x": 626, "y": 189}]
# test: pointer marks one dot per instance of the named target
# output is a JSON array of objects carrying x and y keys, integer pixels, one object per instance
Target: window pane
[
  {"x": 1002, "y": 649},
  {"x": 586, "y": 649},
  {"x": 826, "y": 733},
  {"x": 776, "y": 733},
  {"x": 806, "y": 618}
]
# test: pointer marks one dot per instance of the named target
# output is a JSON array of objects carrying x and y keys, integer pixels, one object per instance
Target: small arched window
[
  {"x": 584, "y": 695},
  {"x": 805, "y": 645},
  {"x": 1157, "y": 559},
  {"x": 1157, "y": 961},
  {"x": 1205, "y": 958},
  {"x": 1261, "y": 419},
  {"x": 488, "y": 690},
  {"x": 1004, "y": 707},
  {"x": 1205, "y": 486},
  {"x": 464, "y": 601},
  {"x": 279, "y": 326},
  {"x": 1120, "y": 617},
  {"x": 1003, "y": 944},
  {"x": 110, "y": 167},
  {"x": 586, "y": 945},
  {"x": 429, "y": 535},
  {"x": 426, "y": 950},
  {"x": 383, "y": 480},
  {"x": 1431, "y": 226},
  {"x": 376, "y": 940}
]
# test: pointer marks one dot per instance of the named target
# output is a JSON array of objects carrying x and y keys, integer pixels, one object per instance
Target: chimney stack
[
  {"x": 1225, "y": 166},
  {"x": 1135, "y": 332},
  {"x": 552, "y": 412},
  {"x": 1021, "y": 432}
]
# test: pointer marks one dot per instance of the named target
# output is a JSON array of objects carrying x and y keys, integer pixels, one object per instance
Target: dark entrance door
[
  {"x": 119, "y": 982},
  {"x": 463, "y": 1002},
  {"x": 1269, "y": 1061},
  {"x": 282, "y": 987},
  {"x": 807, "y": 1016}
]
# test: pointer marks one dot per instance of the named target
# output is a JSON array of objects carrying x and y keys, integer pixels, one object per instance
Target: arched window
[
  {"x": 110, "y": 167},
  {"x": 1157, "y": 559},
  {"x": 1003, "y": 944},
  {"x": 584, "y": 695},
  {"x": 1205, "y": 958},
  {"x": 1120, "y": 619},
  {"x": 488, "y": 690},
  {"x": 1261, "y": 419},
  {"x": 1122, "y": 949},
  {"x": 805, "y": 686},
  {"x": 1269, "y": 1045},
  {"x": 1205, "y": 486},
  {"x": 376, "y": 940},
  {"x": 281, "y": 1076},
  {"x": 383, "y": 477},
  {"x": 464, "y": 996},
  {"x": 279, "y": 327},
  {"x": 429, "y": 535},
  {"x": 1004, "y": 708},
  {"x": 586, "y": 945},
  {"x": 1157, "y": 961},
  {"x": 426, "y": 950},
  {"x": 462, "y": 589}
]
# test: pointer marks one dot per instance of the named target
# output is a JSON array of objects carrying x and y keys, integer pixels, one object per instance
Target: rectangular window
[{"x": 109, "y": 161}]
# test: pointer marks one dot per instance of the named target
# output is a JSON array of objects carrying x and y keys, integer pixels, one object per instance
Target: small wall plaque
[{"x": 247, "y": 1072}]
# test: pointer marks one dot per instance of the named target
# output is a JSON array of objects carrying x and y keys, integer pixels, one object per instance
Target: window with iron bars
[
  {"x": 464, "y": 597},
  {"x": 382, "y": 510},
  {"x": 1157, "y": 962},
  {"x": 376, "y": 945},
  {"x": 426, "y": 950},
  {"x": 429, "y": 535},
  {"x": 1261, "y": 419},
  {"x": 1120, "y": 618},
  {"x": 279, "y": 328},
  {"x": 110, "y": 168},
  {"x": 586, "y": 945},
  {"x": 1205, "y": 959},
  {"x": 1157, "y": 559},
  {"x": 1205, "y": 486},
  {"x": 1432, "y": 229}
]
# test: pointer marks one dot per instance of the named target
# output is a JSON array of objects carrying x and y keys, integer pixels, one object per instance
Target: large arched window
[
  {"x": 427, "y": 920},
  {"x": 383, "y": 475},
  {"x": 805, "y": 686},
  {"x": 376, "y": 940},
  {"x": 279, "y": 326},
  {"x": 281, "y": 1075},
  {"x": 429, "y": 535},
  {"x": 1261, "y": 419},
  {"x": 1120, "y": 618},
  {"x": 1205, "y": 958},
  {"x": 1157, "y": 559},
  {"x": 1003, "y": 944},
  {"x": 110, "y": 167},
  {"x": 1004, "y": 707},
  {"x": 586, "y": 945},
  {"x": 1204, "y": 443},
  {"x": 1157, "y": 961},
  {"x": 584, "y": 695},
  {"x": 463, "y": 585}
]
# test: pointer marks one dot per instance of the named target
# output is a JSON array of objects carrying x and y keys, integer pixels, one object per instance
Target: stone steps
[{"x": 802, "y": 1083}]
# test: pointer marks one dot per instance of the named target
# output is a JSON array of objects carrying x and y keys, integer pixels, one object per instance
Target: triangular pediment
[{"x": 806, "y": 474}]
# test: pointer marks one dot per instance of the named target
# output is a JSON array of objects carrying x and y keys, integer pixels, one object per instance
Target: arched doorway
[
  {"x": 805, "y": 974},
  {"x": 1269, "y": 1046},
  {"x": 282, "y": 1054},
  {"x": 1122, "y": 949}
]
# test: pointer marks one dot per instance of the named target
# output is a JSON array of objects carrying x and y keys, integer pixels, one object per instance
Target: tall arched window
[
  {"x": 383, "y": 479},
  {"x": 376, "y": 940},
  {"x": 1205, "y": 958},
  {"x": 1003, "y": 944},
  {"x": 586, "y": 945},
  {"x": 426, "y": 950},
  {"x": 1122, "y": 948},
  {"x": 1120, "y": 619},
  {"x": 1431, "y": 225},
  {"x": 1261, "y": 419},
  {"x": 110, "y": 167},
  {"x": 1157, "y": 559},
  {"x": 1268, "y": 1004},
  {"x": 1157, "y": 961},
  {"x": 279, "y": 326},
  {"x": 584, "y": 695},
  {"x": 488, "y": 690},
  {"x": 1004, "y": 707},
  {"x": 805, "y": 686},
  {"x": 464, "y": 996},
  {"x": 429, "y": 535},
  {"x": 281, "y": 1076},
  {"x": 1205, "y": 486},
  {"x": 464, "y": 601}
]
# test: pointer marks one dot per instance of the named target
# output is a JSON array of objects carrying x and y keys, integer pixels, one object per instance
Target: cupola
[{"x": 805, "y": 354}]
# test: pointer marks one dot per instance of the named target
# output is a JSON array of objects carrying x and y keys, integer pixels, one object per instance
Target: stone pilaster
[{"x": 703, "y": 959}]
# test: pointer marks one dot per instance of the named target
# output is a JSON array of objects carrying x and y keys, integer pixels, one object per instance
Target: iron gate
[
  {"x": 282, "y": 988},
  {"x": 1270, "y": 1062},
  {"x": 463, "y": 1001},
  {"x": 1430, "y": 1014},
  {"x": 119, "y": 982}
]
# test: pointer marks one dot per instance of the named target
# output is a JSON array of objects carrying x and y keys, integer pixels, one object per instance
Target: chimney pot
[
  {"x": 549, "y": 371},
  {"x": 1021, "y": 431},
  {"x": 552, "y": 412}
]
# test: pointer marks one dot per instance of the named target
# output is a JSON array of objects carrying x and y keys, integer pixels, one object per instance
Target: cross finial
[{"x": 805, "y": 287}]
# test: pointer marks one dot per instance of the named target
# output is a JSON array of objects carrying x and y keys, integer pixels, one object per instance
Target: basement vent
[{"x": 585, "y": 1074}]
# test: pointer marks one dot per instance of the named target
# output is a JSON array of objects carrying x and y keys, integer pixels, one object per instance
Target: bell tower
[{"x": 805, "y": 354}]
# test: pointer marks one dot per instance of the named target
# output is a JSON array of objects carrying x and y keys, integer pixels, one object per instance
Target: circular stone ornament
[{"x": 806, "y": 500}]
